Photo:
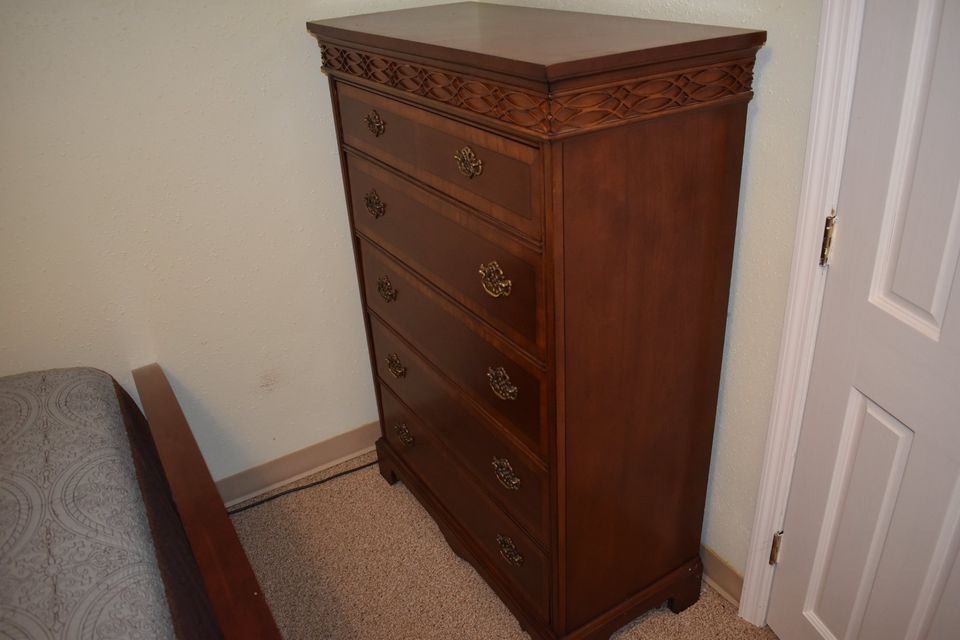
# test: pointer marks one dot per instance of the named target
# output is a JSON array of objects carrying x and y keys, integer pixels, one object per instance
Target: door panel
[
  {"x": 919, "y": 544},
  {"x": 920, "y": 232},
  {"x": 873, "y": 453},
  {"x": 872, "y": 530}
]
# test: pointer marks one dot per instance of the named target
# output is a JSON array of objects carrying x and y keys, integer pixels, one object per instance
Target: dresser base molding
[
  {"x": 679, "y": 589},
  {"x": 393, "y": 468}
]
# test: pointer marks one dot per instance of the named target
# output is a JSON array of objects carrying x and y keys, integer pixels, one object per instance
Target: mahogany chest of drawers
[{"x": 543, "y": 206}]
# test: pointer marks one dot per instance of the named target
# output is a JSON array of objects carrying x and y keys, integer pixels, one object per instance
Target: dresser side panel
[{"x": 649, "y": 217}]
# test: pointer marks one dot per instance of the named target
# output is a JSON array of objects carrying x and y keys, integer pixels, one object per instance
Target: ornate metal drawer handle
[
  {"x": 505, "y": 474},
  {"x": 397, "y": 369},
  {"x": 374, "y": 204},
  {"x": 375, "y": 123},
  {"x": 500, "y": 383},
  {"x": 493, "y": 281},
  {"x": 403, "y": 434},
  {"x": 468, "y": 162},
  {"x": 509, "y": 552},
  {"x": 385, "y": 289}
]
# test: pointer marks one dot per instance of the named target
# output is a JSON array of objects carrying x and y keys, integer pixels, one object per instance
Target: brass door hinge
[
  {"x": 828, "y": 226},
  {"x": 775, "y": 547}
]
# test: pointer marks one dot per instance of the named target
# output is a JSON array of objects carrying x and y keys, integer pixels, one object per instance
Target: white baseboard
[
  {"x": 293, "y": 466},
  {"x": 721, "y": 576}
]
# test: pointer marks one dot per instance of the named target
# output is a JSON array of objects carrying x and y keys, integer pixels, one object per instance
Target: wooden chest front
[{"x": 544, "y": 207}]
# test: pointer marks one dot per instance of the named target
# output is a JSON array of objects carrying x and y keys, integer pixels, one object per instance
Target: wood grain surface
[
  {"x": 615, "y": 147},
  {"x": 238, "y": 603}
]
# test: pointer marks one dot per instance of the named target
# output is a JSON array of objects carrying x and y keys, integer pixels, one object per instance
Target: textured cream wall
[
  {"x": 169, "y": 190},
  {"x": 773, "y": 166}
]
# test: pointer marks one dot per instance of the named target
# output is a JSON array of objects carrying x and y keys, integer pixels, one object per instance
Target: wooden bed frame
[{"x": 210, "y": 584}]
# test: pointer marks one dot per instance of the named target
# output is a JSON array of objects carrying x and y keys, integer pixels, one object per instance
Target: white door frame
[{"x": 839, "y": 45}]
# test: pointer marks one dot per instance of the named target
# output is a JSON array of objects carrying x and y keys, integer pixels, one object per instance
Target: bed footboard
[{"x": 236, "y": 600}]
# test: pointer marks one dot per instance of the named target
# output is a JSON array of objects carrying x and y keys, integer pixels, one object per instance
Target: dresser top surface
[{"x": 538, "y": 44}]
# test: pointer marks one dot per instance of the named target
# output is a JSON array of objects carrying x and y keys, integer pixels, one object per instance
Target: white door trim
[{"x": 840, "y": 25}]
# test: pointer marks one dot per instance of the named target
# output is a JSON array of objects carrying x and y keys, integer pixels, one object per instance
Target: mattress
[{"x": 77, "y": 559}]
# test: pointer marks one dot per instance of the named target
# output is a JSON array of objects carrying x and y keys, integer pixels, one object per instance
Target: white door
[{"x": 872, "y": 529}]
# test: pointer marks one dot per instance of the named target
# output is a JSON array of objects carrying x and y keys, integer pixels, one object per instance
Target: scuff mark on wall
[{"x": 269, "y": 380}]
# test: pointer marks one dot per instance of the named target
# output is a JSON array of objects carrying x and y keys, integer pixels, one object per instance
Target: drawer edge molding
[
  {"x": 491, "y": 334},
  {"x": 497, "y": 226},
  {"x": 570, "y": 111},
  {"x": 530, "y": 350},
  {"x": 502, "y": 426},
  {"x": 539, "y": 538},
  {"x": 484, "y": 169}
]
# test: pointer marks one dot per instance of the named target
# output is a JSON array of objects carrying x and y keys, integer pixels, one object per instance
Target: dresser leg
[
  {"x": 687, "y": 592},
  {"x": 385, "y": 462},
  {"x": 454, "y": 543}
]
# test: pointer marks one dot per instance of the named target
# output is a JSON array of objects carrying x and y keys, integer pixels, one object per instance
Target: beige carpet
[{"x": 356, "y": 558}]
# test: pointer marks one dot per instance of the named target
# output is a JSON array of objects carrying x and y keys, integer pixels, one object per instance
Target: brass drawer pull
[
  {"x": 500, "y": 383},
  {"x": 375, "y": 123},
  {"x": 493, "y": 281},
  {"x": 509, "y": 552},
  {"x": 505, "y": 474},
  {"x": 374, "y": 204},
  {"x": 468, "y": 162},
  {"x": 385, "y": 289},
  {"x": 397, "y": 369},
  {"x": 403, "y": 434}
]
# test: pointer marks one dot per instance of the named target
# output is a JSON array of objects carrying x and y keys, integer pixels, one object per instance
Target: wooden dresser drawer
[
  {"x": 505, "y": 547},
  {"x": 450, "y": 248},
  {"x": 506, "y": 178},
  {"x": 506, "y": 384},
  {"x": 509, "y": 474}
]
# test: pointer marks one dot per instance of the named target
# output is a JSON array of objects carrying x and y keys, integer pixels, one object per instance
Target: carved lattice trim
[
  {"x": 563, "y": 113},
  {"x": 498, "y": 101},
  {"x": 639, "y": 98}
]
